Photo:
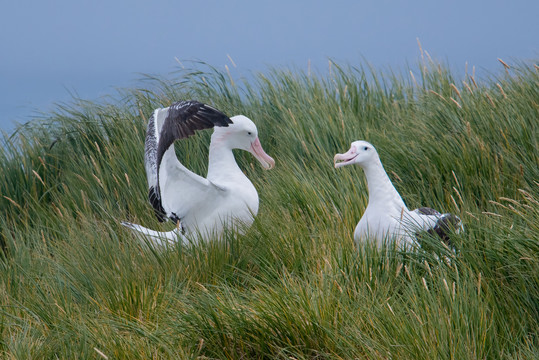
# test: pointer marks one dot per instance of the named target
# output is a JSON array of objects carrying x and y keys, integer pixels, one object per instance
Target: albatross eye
[
  {"x": 365, "y": 148},
  {"x": 249, "y": 133}
]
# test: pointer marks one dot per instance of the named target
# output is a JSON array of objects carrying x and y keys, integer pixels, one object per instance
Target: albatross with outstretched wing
[{"x": 194, "y": 203}]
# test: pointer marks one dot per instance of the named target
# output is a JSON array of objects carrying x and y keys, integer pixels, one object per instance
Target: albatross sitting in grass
[
  {"x": 198, "y": 205},
  {"x": 386, "y": 215}
]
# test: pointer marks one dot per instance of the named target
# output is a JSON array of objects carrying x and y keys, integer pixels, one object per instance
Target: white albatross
[
  {"x": 386, "y": 216},
  {"x": 198, "y": 205}
]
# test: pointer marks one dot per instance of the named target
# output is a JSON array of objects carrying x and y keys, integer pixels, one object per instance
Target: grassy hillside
[{"x": 75, "y": 284}]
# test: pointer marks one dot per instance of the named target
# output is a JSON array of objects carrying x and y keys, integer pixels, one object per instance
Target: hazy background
[{"x": 50, "y": 50}]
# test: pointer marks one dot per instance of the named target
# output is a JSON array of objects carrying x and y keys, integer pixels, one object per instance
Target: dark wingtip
[
  {"x": 194, "y": 107},
  {"x": 218, "y": 118},
  {"x": 155, "y": 201},
  {"x": 444, "y": 226}
]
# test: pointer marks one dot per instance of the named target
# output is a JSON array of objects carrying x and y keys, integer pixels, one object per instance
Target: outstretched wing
[{"x": 178, "y": 121}]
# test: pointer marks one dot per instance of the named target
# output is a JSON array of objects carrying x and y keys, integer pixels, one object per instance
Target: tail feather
[{"x": 161, "y": 238}]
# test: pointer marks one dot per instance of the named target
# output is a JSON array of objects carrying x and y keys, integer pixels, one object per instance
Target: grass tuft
[{"x": 76, "y": 284}]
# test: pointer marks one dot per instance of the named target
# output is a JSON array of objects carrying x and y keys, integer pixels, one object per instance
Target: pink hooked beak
[
  {"x": 345, "y": 158},
  {"x": 259, "y": 153}
]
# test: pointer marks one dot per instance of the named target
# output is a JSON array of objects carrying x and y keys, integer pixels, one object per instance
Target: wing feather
[
  {"x": 150, "y": 163},
  {"x": 426, "y": 211},
  {"x": 435, "y": 223},
  {"x": 183, "y": 119},
  {"x": 178, "y": 121}
]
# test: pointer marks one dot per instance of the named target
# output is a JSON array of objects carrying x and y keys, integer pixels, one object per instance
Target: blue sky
[{"x": 50, "y": 49}]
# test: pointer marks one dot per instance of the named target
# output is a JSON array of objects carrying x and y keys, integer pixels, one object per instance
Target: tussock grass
[{"x": 75, "y": 284}]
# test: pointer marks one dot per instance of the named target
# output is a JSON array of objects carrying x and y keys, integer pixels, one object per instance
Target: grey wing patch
[
  {"x": 150, "y": 163},
  {"x": 150, "y": 152}
]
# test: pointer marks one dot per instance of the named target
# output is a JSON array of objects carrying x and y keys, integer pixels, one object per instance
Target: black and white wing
[
  {"x": 435, "y": 223},
  {"x": 178, "y": 121}
]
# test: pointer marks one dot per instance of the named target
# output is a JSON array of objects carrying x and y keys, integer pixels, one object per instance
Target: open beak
[
  {"x": 259, "y": 153},
  {"x": 345, "y": 159}
]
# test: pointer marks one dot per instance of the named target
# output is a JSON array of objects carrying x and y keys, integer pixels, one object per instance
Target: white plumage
[
  {"x": 386, "y": 215},
  {"x": 198, "y": 205}
]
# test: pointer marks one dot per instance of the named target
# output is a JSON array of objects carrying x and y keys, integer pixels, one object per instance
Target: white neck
[
  {"x": 381, "y": 190},
  {"x": 222, "y": 166}
]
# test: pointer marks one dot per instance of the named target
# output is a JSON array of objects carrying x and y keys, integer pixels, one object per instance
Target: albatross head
[
  {"x": 243, "y": 134},
  {"x": 361, "y": 153}
]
